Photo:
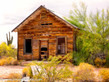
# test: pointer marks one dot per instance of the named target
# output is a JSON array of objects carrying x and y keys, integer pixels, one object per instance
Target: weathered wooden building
[{"x": 44, "y": 33}]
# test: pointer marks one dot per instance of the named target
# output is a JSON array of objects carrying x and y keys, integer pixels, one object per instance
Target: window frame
[
  {"x": 24, "y": 50},
  {"x": 65, "y": 45},
  {"x": 46, "y": 24}
]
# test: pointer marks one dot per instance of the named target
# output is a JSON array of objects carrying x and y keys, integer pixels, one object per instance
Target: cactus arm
[{"x": 9, "y": 39}]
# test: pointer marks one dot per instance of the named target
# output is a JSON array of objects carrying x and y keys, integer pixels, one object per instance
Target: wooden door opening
[
  {"x": 43, "y": 53},
  {"x": 28, "y": 46},
  {"x": 61, "y": 46}
]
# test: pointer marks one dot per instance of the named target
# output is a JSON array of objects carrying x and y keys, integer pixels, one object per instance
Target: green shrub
[
  {"x": 78, "y": 58},
  {"x": 8, "y": 51},
  {"x": 67, "y": 58},
  {"x": 85, "y": 73},
  {"x": 104, "y": 74},
  {"x": 50, "y": 71},
  {"x": 107, "y": 60}
]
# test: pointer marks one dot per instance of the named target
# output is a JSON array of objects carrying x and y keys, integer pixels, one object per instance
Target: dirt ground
[{"x": 6, "y": 70}]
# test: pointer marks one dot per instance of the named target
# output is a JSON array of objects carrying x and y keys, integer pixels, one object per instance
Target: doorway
[{"x": 43, "y": 53}]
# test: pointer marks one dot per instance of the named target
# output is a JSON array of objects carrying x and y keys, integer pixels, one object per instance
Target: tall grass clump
[{"x": 51, "y": 71}]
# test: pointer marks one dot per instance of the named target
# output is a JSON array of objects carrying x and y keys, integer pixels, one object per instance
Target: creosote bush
[{"x": 85, "y": 73}]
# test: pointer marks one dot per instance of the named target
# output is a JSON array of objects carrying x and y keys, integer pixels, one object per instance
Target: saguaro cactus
[{"x": 9, "y": 39}]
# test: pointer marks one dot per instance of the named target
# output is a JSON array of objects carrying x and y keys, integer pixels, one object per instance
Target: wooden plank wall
[{"x": 35, "y": 31}]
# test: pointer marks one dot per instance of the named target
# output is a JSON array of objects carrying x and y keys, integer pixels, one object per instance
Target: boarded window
[
  {"x": 46, "y": 24},
  {"x": 28, "y": 47},
  {"x": 61, "y": 45}
]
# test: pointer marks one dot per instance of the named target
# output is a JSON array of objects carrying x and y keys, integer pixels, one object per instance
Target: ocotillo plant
[{"x": 9, "y": 39}]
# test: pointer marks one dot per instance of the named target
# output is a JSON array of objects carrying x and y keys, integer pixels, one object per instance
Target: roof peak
[{"x": 42, "y": 6}]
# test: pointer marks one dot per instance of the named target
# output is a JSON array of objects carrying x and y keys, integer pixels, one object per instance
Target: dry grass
[
  {"x": 14, "y": 76},
  {"x": 104, "y": 75},
  {"x": 75, "y": 69},
  {"x": 85, "y": 72},
  {"x": 9, "y": 61}
]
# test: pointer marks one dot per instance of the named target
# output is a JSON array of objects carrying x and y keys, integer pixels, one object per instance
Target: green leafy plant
[{"x": 92, "y": 38}]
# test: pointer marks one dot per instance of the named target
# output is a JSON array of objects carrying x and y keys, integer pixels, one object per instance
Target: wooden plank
[{"x": 44, "y": 35}]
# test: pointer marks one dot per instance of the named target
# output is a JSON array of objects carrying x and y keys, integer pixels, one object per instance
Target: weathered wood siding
[{"x": 35, "y": 31}]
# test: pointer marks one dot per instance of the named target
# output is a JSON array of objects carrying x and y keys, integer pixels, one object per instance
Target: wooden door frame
[
  {"x": 65, "y": 44},
  {"x": 40, "y": 48}
]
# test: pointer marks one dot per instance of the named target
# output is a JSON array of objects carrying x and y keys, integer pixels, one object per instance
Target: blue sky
[{"x": 12, "y": 12}]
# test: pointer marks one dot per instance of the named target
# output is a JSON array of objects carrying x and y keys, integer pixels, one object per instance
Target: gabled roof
[{"x": 30, "y": 17}]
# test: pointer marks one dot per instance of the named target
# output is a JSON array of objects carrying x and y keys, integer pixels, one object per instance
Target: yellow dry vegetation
[
  {"x": 104, "y": 74},
  {"x": 85, "y": 72}
]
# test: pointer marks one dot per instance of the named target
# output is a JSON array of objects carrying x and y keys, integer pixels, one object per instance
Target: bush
[
  {"x": 14, "y": 76},
  {"x": 63, "y": 59},
  {"x": 50, "y": 71},
  {"x": 27, "y": 71},
  {"x": 6, "y": 61},
  {"x": 2, "y": 62},
  {"x": 85, "y": 73},
  {"x": 9, "y": 61},
  {"x": 15, "y": 62},
  {"x": 99, "y": 62},
  {"x": 8, "y": 51},
  {"x": 78, "y": 58},
  {"x": 107, "y": 60},
  {"x": 104, "y": 74},
  {"x": 67, "y": 58}
]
